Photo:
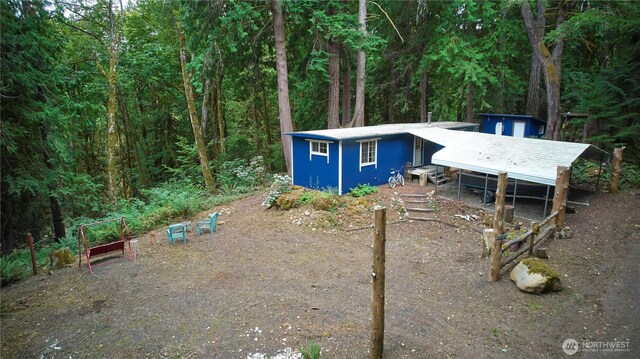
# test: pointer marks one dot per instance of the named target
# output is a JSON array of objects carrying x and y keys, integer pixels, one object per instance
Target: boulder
[
  {"x": 565, "y": 233},
  {"x": 533, "y": 275}
]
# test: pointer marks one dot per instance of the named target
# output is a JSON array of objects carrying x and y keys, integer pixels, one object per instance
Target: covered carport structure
[{"x": 524, "y": 159}]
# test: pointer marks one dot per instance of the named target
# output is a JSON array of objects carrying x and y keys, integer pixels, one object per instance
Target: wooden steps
[
  {"x": 424, "y": 219},
  {"x": 425, "y": 210},
  {"x": 438, "y": 178},
  {"x": 419, "y": 206}
]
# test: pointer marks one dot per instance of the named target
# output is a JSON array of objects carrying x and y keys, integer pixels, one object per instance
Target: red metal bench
[{"x": 106, "y": 248}]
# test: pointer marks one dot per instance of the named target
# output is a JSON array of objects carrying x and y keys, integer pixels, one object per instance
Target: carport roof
[{"x": 528, "y": 159}]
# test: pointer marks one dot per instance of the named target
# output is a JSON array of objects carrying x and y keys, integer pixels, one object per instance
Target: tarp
[{"x": 527, "y": 159}]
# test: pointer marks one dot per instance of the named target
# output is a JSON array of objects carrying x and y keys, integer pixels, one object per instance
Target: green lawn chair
[
  {"x": 177, "y": 231},
  {"x": 211, "y": 224}
]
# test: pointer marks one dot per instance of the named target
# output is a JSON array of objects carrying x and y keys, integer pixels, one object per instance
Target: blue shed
[
  {"x": 512, "y": 125},
  {"x": 346, "y": 157}
]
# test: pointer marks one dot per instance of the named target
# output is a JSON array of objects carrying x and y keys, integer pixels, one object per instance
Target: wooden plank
[{"x": 106, "y": 248}]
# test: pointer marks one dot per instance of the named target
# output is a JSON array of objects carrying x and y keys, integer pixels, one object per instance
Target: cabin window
[
  {"x": 541, "y": 130},
  {"x": 319, "y": 148},
  {"x": 368, "y": 153}
]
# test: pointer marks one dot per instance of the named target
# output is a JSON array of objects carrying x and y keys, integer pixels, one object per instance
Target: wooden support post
[
  {"x": 498, "y": 227},
  {"x": 34, "y": 263},
  {"x": 377, "y": 284},
  {"x": 616, "y": 169},
  {"x": 560, "y": 195},
  {"x": 535, "y": 229}
]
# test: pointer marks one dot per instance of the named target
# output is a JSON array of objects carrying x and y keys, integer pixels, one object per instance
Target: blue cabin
[
  {"x": 512, "y": 125},
  {"x": 343, "y": 158}
]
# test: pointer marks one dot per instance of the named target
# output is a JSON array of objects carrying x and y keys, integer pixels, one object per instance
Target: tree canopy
[{"x": 103, "y": 100}]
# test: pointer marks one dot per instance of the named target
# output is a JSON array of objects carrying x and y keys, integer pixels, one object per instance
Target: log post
[
  {"x": 34, "y": 263},
  {"x": 535, "y": 229},
  {"x": 377, "y": 284},
  {"x": 616, "y": 169},
  {"x": 560, "y": 195},
  {"x": 498, "y": 227}
]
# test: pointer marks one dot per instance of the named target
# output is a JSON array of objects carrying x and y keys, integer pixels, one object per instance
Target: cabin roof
[
  {"x": 528, "y": 159},
  {"x": 374, "y": 131}
]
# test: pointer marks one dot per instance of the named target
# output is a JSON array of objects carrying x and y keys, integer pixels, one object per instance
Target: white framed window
[
  {"x": 319, "y": 148},
  {"x": 369, "y": 153},
  {"x": 541, "y": 130}
]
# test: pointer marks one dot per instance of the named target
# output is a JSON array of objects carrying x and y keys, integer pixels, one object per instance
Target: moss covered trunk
[{"x": 193, "y": 114}]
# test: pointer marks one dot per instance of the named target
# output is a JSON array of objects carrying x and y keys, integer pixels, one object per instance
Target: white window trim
[
  {"x": 340, "y": 167},
  {"x": 316, "y": 153},
  {"x": 375, "y": 161}
]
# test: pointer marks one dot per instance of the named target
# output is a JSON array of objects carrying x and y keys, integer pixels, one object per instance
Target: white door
[
  {"x": 518, "y": 129},
  {"x": 417, "y": 151},
  {"x": 499, "y": 128}
]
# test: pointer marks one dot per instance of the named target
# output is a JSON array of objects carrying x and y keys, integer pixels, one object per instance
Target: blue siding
[
  {"x": 489, "y": 122},
  {"x": 315, "y": 173},
  {"x": 393, "y": 152},
  {"x": 429, "y": 148}
]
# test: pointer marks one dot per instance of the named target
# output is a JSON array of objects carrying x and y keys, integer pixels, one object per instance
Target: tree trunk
[
  {"x": 220, "y": 122},
  {"x": 206, "y": 94},
  {"x": 358, "y": 112},
  {"x": 59, "y": 231},
  {"x": 551, "y": 66},
  {"x": 193, "y": 114},
  {"x": 533, "y": 93},
  {"x": 471, "y": 92},
  {"x": 112, "y": 135},
  {"x": 333, "y": 120},
  {"x": 346, "y": 93},
  {"x": 393, "y": 88},
  {"x": 267, "y": 129},
  {"x": 283, "y": 83},
  {"x": 424, "y": 100}
]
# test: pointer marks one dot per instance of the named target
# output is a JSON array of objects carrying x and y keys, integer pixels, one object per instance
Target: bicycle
[{"x": 396, "y": 178}]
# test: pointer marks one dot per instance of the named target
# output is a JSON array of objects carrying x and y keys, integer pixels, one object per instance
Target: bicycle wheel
[
  {"x": 401, "y": 179},
  {"x": 392, "y": 182}
]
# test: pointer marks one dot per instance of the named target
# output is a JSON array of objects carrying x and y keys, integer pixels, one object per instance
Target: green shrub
[
  {"x": 307, "y": 197},
  {"x": 362, "y": 190},
  {"x": 15, "y": 266},
  {"x": 313, "y": 352}
]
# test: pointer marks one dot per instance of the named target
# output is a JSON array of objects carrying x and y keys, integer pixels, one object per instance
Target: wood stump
[{"x": 508, "y": 213}]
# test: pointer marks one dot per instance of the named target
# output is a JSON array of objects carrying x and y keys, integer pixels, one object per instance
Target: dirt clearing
[{"x": 270, "y": 279}]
